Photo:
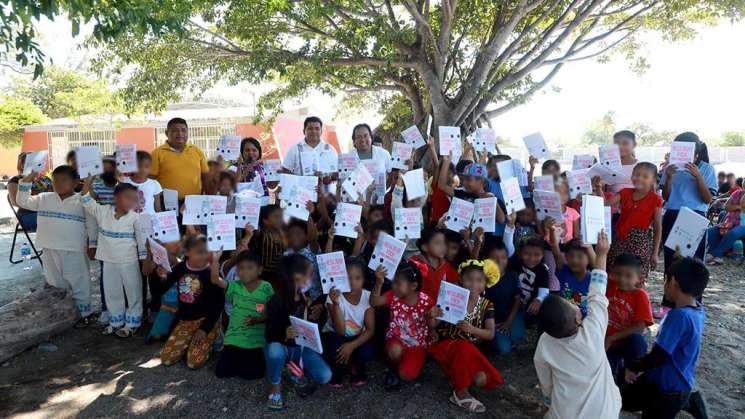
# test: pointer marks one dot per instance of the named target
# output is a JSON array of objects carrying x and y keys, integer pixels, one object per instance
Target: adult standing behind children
[
  {"x": 311, "y": 142},
  {"x": 177, "y": 164}
]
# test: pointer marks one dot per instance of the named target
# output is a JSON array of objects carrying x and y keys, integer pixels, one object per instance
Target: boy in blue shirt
[{"x": 662, "y": 382}]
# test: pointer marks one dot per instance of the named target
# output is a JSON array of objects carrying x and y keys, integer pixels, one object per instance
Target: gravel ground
[{"x": 85, "y": 374}]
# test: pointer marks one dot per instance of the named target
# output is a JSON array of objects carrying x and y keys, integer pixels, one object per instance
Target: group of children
[{"x": 587, "y": 302}]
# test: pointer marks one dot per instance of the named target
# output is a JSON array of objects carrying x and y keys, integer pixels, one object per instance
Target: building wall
[
  {"x": 8, "y": 159},
  {"x": 144, "y": 137}
]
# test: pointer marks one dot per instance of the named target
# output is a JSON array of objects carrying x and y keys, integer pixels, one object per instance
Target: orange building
[{"x": 207, "y": 122}]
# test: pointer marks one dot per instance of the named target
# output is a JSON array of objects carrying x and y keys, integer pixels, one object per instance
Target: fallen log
[{"x": 34, "y": 318}]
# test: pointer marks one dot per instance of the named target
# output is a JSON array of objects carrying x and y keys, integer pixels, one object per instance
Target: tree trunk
[{"x": 32, "y": 319}]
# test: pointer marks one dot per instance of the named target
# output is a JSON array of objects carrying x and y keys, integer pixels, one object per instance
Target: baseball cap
[{"x": 475, "y": 170}]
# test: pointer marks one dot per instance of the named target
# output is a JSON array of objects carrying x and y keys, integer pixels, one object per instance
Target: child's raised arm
[
  {"x": 215, "y": 270},
  {"x": 377, "y": 300},
  {"x": 596, "y": 321},
  {"x": 442, "y": 180},
  {"x": 357, "y": 249},
  {"x": 23, "y": 197}
]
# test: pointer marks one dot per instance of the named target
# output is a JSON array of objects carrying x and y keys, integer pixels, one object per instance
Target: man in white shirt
[{"x": 304, "y": 157}]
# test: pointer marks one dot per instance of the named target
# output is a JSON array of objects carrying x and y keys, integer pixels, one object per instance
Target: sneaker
[
  {"x": 391, "y": 382},
  {"x": 84, "y": 322},
  {"x": 275, "y": 402},
  {"x": 104, "y": 318},
  {"x": 661, "y": 312}
]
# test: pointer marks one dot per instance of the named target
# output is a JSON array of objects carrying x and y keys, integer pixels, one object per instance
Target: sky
[{"x": 692, "y": 85}]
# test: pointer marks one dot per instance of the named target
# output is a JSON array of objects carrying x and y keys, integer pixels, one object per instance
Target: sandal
[
  {"x": 275, "y": 402},
  {"x": 470, "y": 404},
  {"x": 126, "y": 332},
  {"x": 108, "y": 330}
]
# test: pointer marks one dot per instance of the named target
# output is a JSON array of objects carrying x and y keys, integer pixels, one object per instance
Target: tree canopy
[{"x": 16, "y": 113}]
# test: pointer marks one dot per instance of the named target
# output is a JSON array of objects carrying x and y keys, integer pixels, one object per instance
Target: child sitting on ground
[
  {"x": 62, "y": 225},
  {"x": 629, "y": 314},
  {"x": 505, "y": 297},
  {"x": 350, "y": 327},
  {"x": 662, "y": 383},
  {"x": 532, "y": 275},
  {"x": 573, "y": 273},
  {"x": 121, "y": 245},
  {"x": 408, "y": 334},
  {"x": 572, "y": 369},
  {"x": 243, "y": 355}
]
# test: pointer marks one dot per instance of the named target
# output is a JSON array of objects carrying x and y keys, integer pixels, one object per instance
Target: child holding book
[
  {"x": 150, "y": 193},
  {"x": 431, "y": 262},
  {"x": 505, "y": 297}
]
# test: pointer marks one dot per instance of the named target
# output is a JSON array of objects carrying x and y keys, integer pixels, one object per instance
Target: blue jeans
[
  {"x": 624, "y": 352},
  {"x": 28, "y": 220},
  {"x": 359, "y": 359},
  {"x": 503, "y": 343},
  {"x": 278, "y": 354},
  {"x": 719, "y": 245}
]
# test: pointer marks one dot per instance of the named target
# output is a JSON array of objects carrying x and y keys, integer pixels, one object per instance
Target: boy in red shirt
[{"x": 629, "y": 314}]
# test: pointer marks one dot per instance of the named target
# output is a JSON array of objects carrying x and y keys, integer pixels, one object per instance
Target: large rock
[{"x": 30, "y": 320}]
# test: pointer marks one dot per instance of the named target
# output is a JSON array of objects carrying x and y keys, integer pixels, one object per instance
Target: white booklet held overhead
[
  {"x": 453, "y": 300},
  {"x": 221, "y": 233},
  {"x": 579, "y": 182},
  {"x": 347, "y": 164},
  {"x": 165, "y": 226},
  {"x": 687, "y": 232},
  {"x": 608, "y": 175},
  {"x": 199, "y": 209},
  {"x": 126, "y": 158},
  {"x": 332, "y": 270},
  {"x": 544, "y": 183},
  {"x": 536, "y": 145},
  {"x": 357, "y": 183},
  {"x": 400, "y": 154},
  {"x": 89, "y": 161},
  {"x": 513, "y": 197},
  {"x": 450, "y": 142},
  {"x": 297, "y": 207},
  {"x": 307, "y": 334},
  {"x": 346, "y": 220},
  {"x": 35, "y": 162},
  {"x": 548, "y": 204},
  {"x": 413, "y": 137},
  {"x": 408, "y": 223},
  {"x": 229, "y": 147},
  {"x": 610, "y": 156},
  {"x": 592, "y": 218},
  {"x": 459, "y": 215},
  {"x": 247, "y": 210},
  {"x": 484, "y": 214},
  {"x": 271, "y": 170},
  {"x": 583, "y": 161},
  {"x": 414, "y": 184},
  {"x": 484, "y": 139},
  {"x": 291, "y": 183},
  {"x": 387, "y": 252}
]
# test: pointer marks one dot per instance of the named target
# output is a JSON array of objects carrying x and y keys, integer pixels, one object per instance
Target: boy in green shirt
[{"x": 244, "y": 341}]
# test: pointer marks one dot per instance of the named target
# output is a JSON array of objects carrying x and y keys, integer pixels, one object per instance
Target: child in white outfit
[
  {"x": 121, "y": 244},
  {"x": 61, "y": 232}
]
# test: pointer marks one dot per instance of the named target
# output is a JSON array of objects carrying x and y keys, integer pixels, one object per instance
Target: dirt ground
[{"x": 90, "y": 375}]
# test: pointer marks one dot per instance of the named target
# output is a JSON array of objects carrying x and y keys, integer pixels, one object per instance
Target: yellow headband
[{"x": 488, "y": 266}]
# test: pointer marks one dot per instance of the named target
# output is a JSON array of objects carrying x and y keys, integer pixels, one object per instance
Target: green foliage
[
  {"x": 600, "y": 131},
  {"x": 733, "y": 139},
  {"x": 66, "y": 93},
  {"x": 16, "y": 113}
]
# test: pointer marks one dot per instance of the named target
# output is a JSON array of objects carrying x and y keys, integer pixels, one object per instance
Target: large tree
[{"x": 463, "y": 61}]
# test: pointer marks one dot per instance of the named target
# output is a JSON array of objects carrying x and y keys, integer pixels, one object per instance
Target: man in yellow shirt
[{"x": 178, "y": 165}]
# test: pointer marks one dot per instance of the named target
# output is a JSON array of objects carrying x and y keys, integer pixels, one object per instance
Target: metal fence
[
  {"x": 203, "y": 136},
  {"x": 60, "y": 142}
]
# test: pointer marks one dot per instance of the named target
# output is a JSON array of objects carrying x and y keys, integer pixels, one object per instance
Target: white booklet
[
  {"x": 459, "y": 215},
  {"x": 170, "y": 199},
  {"x": 328, "y": 162},
  {"x": 579, "y": 182},
  {"x": 297, "y": 207},
  {"x": 608, "y": 175},
  {"x": 291, "y": 183},
  {"x": 347, "y": 164},
  {"x": 376, "y": 168},
  {"x": 610, "y": 157},
  {"x": 485, "y": 213},
  {"x": 681, "y": 153},
  {"x": 307, "y": 334},
  {"x": 414, "y": 184},
  {"x": 450, "y": 142},
  {"x": 592, "y": 218},
  {"x": 221, "y": 233},
  {"x": 513, "y": 197},
  {"x": 544, "y": 183},
  {"x": 89, "y": 161},
  {"x": 387, "y": 252},
  {"x": 484, "y": 139},
  {"x": 582, "y": 161},
  {"x": 357, "y": 183},
  {"x": 453, "y": 300},
  {"x": 229, "y": 147},
  {"x": 126, "y": 158},
  {"x": 687, "y": 232},
  {"x": 548, "y": 205},
  {"x": 400, "y": 154},
  {"x": 413, "y": 137},
  {"x": 199, "y": 209},
  {"x": 536, "y": 145},
  {"x": 247, "y": 210},
  {"x": 346, "y": 220},
  {"x": 159, "y": 255},
  {"x": 35, "y": 162},
  {"x": 332, "y": 269},
  {"x": 408, "y": 223},
  {"x": 310, "y": 162},
  {"x": 271, "y": 170},
  {"x": 165, "y": 226}
]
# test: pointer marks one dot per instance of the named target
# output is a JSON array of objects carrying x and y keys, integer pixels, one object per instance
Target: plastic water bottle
[
  {"x": 737, "y": 251},
  {"x": 26, "y": 256}
]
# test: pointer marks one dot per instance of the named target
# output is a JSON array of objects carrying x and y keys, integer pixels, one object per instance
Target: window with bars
[
  {"x": 202, "y": 136},
  {"x": 60, "y": 142}
]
